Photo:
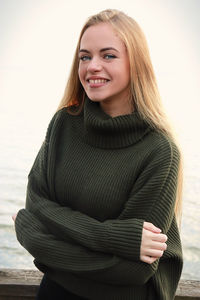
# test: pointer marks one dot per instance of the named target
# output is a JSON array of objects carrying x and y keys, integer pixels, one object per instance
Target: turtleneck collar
[{"x": 104, "y": 131}]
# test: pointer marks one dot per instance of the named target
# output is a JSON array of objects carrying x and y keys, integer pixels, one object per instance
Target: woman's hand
[
  {"x": 14, "y": 217},
  {"x": 153, "y": 243}
]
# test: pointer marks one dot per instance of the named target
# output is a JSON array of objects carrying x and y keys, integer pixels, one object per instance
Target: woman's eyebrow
[
  {"x": 102, "y": 50},
  {"x": 108, "y": 48},
  {"x": 84, "y": 50}
]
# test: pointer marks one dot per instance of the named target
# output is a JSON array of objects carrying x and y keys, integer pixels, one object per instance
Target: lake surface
[{"x": 21, "y": 136}]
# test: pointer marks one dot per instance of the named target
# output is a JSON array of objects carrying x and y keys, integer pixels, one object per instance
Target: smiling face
[{"x": 104, "y": 69}]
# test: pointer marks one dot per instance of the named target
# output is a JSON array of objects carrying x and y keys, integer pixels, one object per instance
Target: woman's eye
[
  {"x": 85, "y": 57},
  {"x": 109, "y": 56}
]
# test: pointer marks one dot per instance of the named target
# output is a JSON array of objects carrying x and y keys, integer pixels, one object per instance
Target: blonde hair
[{"x": 143, "y": 87}]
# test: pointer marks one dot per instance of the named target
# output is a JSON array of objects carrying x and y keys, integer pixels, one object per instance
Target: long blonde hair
[{"x": 143, "y": 87}]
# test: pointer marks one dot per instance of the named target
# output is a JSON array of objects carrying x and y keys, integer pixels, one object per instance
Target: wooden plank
[
  {"x": 17, "y": 276},
  {"x": 189, "y": 289},
  {"x": 18, "y": 284}
]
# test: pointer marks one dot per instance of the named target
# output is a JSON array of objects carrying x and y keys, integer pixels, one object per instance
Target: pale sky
[{"x": 38, "y": 38}]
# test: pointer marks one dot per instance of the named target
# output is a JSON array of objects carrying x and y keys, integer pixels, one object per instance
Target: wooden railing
[{"x": 23, "y": 284}]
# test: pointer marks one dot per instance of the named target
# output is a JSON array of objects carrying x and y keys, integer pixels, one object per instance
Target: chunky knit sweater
[{"x": 94, "y": 182}]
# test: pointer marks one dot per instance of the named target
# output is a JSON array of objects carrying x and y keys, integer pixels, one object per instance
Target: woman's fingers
[
  {"x": 159, "y": 246},
  {"x": 153, "y": 243},
  {"x": 156, "y": 237},
  {"x": 148, "y": 259},
  {"x": 162, "y": 238},
  {"x": 154, "y": 253},
  {"x": 151, "y": 227},
  {"x": 14, "y": 217}
]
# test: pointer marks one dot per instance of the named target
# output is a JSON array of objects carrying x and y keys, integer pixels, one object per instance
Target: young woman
[{"x": 103, "y": 194}]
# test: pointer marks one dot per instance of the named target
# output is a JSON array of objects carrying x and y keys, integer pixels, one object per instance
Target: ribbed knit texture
[{"x": 95, "y": 180}]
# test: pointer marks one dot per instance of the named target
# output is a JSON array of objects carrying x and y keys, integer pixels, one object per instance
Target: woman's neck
[{"x": 115, "y": 109}]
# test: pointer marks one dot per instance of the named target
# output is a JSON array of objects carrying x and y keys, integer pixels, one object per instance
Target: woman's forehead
[{"x": 101, "y": 36}]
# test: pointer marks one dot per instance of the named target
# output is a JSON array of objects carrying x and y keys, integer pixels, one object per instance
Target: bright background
[
  {"x": 38, "y": 38},
  {"x": 37, "y": 42}
]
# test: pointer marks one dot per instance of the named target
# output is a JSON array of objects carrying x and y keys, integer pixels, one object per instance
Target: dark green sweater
[{"x": 95, "y": 180}]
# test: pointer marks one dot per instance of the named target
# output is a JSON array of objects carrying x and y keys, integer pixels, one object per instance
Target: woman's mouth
[{"x": 93, "y": 83}]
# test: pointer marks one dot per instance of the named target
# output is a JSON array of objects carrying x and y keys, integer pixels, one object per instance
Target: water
[{"x": 21, "y": 136}]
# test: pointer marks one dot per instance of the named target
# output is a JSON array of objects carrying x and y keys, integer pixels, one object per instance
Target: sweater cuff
[
  {"x": 125, "y": 238},
  {"x": 19, "y": 225},
  {"x": 25, "y": 224}
]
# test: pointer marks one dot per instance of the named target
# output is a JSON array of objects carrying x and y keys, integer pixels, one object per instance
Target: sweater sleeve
[
  {"x": 151, "y": 199},
  {"x": 51, "y": 253},
  {"x": 54, "y": 252}
]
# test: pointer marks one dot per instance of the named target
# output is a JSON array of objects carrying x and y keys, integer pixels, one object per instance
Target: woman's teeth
[{"x": 97, "y": 81}]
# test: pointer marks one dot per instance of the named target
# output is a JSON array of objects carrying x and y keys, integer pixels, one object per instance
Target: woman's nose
[{"x": 94, "y": 65}]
